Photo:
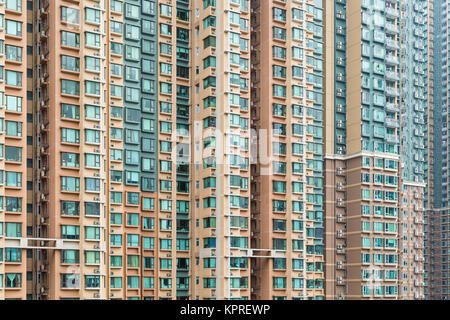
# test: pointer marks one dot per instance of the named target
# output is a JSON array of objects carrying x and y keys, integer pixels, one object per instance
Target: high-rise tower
[{"x": 362, "y": 149}]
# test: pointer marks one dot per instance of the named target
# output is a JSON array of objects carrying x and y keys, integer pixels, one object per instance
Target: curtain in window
[
  {"x": 133, "y": 261},
  {"x": 13, "y": 280},
  {"x": 133, "y": 282}
]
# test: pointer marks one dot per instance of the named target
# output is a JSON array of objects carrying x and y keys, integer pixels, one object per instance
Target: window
[
  {"x": 13, "y": 78},
  {"x": 92, "y": 112},
  {"x": 92, "y": 208},
  {"x": 70, "y": 184},
  {"x": 165, "y": 29},
  {"x": 132, "y": 32},
  {"x": 132, "y": 240},
  {"x": 92, "y": 63},
  {"x": 13, "y": 179},
  {"x": 92, "y": 160},
  {"x": 70, "y": 87},
  {"x": 116, "y": 112},
  {"x": 92, "y": 184},
  {"x": 92, "y": 136},
  {"x": 13, "y": 128},
  {"x": 279, "y": 33},
  {"x": 70, "y": 135},
  {"x": 70, "y": 160},
  {"x": 70, "y": 208},
  {"x": 116, "y": 6},
  {"x": 70, "y": 232},
  {"x": 70, "y": 39},
  {"x": 70, "y": 256},
  {"x": 13, "y": 204},
  {"x": 116, "y": 218},
  {"x": 13, "y": 280},
  {"x": 133, "y": 198},
  {"x": 14, "y": 28},
  {"x": 92, "y": 15},
  {"x": 279, "y": 14},
  {"x": 92, "y": 257},
  {"x": 92, "y": 87},
  {"x": 116, "y": 48},
  {"x": 92, "y": 281},
  {"x": 209, "y": 41},
  {"x": 70, "y": 111},
  {"x": 116, "y": 27},
  {"x": 116, "y": 261},
  {"x": 116, "y": 133},
  {"x": 13, "y": 154},
  {"x": 13, "y": 53},
  {"x": 92, "y": 233},
  {"x": 116, "y": 239},
  {"x": 70, "y": 15},
  {"x": 70, "y": 63}
]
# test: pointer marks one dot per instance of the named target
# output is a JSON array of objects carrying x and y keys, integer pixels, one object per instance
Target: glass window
[
  {"x": 69, "y": 159},
  {"x": 70, "y": 184},
  {"x": 70, "y": 87},
  {"x": 13, "y": 78},
  {"x": 70, "y": 135},
  {"x": 13, "y": 53},
  {"x": 13, "y": 128},
  {"x": 70, "y": 111},
  {"x": 70, "y": 15},
  {"x": 92, "y": 15},
  {"x": 70, "y": 63},
  {"x": 91, "y": 111},
  {"x": 70, "y": 39},
  {"x": 70, "y": 208},
  {"x": 13, "y": 28}
]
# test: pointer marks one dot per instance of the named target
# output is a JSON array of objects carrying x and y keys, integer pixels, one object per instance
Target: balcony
[
  {"x": 392, "y": 75},
  {"x": 392, "y": 59},
  {"x": 392, "y": 123},
  {"x": 390, "y": 138},
  {"x": 392, "y": 107},
  {"x": 391, "y": 28},
  {"x": 392, "y": 91},
  {"x": 392, "y": 44},
  {"x": 391, "y": 12}
]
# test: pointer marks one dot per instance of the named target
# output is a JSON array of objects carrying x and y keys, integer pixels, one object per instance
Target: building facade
[
  {"x": 287, "y": 178},
  {"x": 223, "y": 149},
  {"x": 362, "y": 155},
  {"x": 436, "y": 223}
]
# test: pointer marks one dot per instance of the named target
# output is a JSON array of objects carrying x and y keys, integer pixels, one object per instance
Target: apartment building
[
  {"x": 223, "y": 149},
  {"x": 15, "y": 136},
  {"x": 108, "y": 180},
  {"x": 362, "y": 155},
  {"x": 287, "y": 114},
  {"x": 437, "y": 220},
  {"x": 413, "y": 132}
]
